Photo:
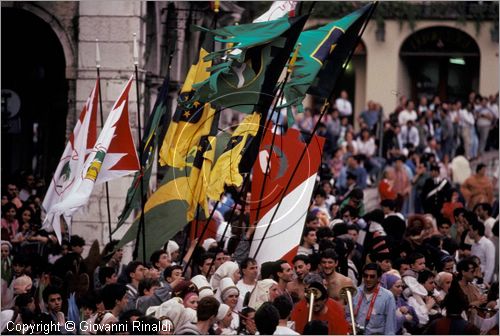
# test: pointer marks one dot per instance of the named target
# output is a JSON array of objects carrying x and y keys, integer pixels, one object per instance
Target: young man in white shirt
[
  {"x": 483, "y": 211},
  {"x": 250, "y": 272},
  {"x": 284, "y": 306},
  {"x": 484, "y": 249}
]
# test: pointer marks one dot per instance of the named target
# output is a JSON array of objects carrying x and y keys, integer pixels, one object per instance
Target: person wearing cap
[
  {"x": 434, "y": 193},
  {"x": 324, "y": 309},
  {"x": 265, "y": 291},
  {"x": 225, "y": 321},
  {"x": 374, "y": 306},
  {"x": 204, "y": 288},
  {"x": 228, "y": 294},
  {"x": 206, "y": 314}
]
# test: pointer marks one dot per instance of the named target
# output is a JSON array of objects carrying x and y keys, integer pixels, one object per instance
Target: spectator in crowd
[
  {"x": 483, "y": 249},
  {"x": 324, "y": 309},
  {"x": 380, "y": 319},
  {"x": 477, "y": 188}
]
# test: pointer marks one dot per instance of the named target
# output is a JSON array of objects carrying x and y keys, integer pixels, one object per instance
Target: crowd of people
[{"x": 425, "y": 261}]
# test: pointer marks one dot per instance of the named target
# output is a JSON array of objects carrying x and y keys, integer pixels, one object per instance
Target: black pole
[
  {"x": 279, "y": 99},
  {"x": 316, "y": 126},
  {"x": 141, "y": 231},
  {"x": 201, "y": 236},
  {"x": 243, "y": 192},
  {"x": 98, "y": 67}
]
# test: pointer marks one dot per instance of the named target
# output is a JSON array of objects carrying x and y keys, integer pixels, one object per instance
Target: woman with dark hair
[
  {"x": 247, "y": 322},
  {"x": 10, "y": 224},
  {"x": 453, "y": 323}
]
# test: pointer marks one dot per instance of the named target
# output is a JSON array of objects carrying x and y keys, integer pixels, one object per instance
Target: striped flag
[{"x": 283, "y": 236}]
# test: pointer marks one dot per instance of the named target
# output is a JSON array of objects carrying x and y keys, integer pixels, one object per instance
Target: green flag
[
  {"x": 245, "y": 77},
  {"x": 149, "y": 143},
  {"x": 321, "y": 57},
  {"x": 175, "y": 202}
]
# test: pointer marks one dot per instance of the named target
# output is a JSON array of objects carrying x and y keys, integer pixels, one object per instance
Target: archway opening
[
  {"x": 34, "y": 95},
  {"x": 441, "y": 61}
]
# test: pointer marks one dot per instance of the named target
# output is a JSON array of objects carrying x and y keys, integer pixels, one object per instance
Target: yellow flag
[
  {"x": 226, "y": 169},
  {"x": 188, "y": 126}
]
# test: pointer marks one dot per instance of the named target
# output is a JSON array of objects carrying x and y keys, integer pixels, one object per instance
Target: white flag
[
  {"x": 278, "y": 10},
  {"x": 113, "y": 156},
  {"x": 80, "y": 143}
]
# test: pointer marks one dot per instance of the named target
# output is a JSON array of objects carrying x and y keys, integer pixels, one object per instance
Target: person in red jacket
[
  {"x": 324, "y": 309},
  {"x": 385, "y": 186}
]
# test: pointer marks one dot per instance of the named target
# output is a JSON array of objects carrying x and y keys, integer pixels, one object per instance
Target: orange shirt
[{"x": 334, "y": 316}]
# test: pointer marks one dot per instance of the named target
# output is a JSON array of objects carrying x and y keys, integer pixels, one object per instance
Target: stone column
[{"x": 113, "y": 23}]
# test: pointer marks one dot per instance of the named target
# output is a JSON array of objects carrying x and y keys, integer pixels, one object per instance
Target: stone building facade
[{"x": 48, "y": 62}]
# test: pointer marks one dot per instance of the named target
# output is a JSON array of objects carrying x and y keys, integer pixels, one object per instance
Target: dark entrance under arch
[
  {"x": 441, "y": 61},
  {"x": 34, "y": 95}
]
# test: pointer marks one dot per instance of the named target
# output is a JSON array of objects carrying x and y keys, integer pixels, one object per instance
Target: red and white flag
[
  {"x": 80, "y": 143},
  {"x": 283, "y": 235},
  {"x": 278, "y": 9},
  {"x": 113, "y": 156}
]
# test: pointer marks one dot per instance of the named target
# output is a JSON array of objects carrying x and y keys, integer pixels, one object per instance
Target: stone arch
[
  {"x": 67, "y": 43},
  {"x": 441, "y": 60}
]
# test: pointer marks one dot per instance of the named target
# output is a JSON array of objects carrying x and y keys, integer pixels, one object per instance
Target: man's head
[
  {"x": 312, "y": 221},
  {"x": 466, "y": 269},
  {"x": 481, "y": 169},
  {"x": 205, "y": 262},
  {"x": 148, "y": 286},
  {"x": 477, "y": 230},
  {"x": 356, "y": 198},
  {"x": 160, "y": 260},
  {"x": 447, "y": 264},
  {"x": 135, "y": 271},
  {"x": 172, "y": 273},
  {"x": 426, "y": 279},
  {"x": 444, "y": 227},
  {"x": 417, "y": 262},
  {"x": 320, "y": 197},
  {"x": 434, "y": 171},
  {"x": 219, "y": 256},
  {"x": 329, "y": 261},
  {"x": 285, "y": 272},
  {"x": 207, "y": 309},
  {"x": 115, "y": 297},
  {"x": 52, "y": 296},
  {"x": 284, "y": 306},
  {"x": 371, "y": 275},
  {"x": 107, "y": 275},
  {"x": 309, "y": 237},
  {"x": 483, "y": 211},
  {"x": 301, "y": 265},
  {"x": 384, "y": 261},
  {"x": 19, "y": 264},
  {"x": 267, "y": 318},
  {"x": 249, "y": 269},
  {"x": 388, "y": 206},
  {"x": 77, "y": 243}
]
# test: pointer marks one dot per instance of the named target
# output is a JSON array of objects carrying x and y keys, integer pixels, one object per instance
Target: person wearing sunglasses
[{"x": 373, "y": 305}]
